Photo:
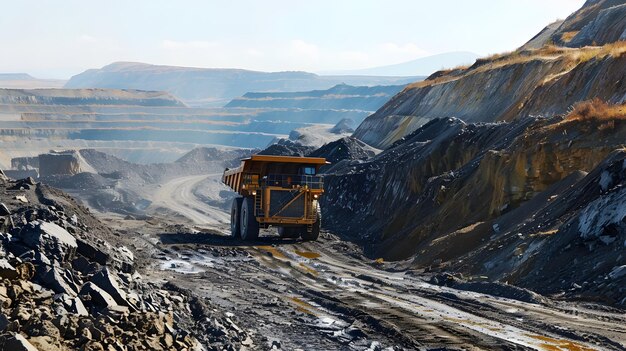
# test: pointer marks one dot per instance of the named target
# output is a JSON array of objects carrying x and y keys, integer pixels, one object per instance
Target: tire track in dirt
[
  {"x": 320, "y": 293},
  {"x": 177, "y": 196}
]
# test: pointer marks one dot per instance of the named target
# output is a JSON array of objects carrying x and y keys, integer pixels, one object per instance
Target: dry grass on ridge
[{"x": 596, "y": 109}]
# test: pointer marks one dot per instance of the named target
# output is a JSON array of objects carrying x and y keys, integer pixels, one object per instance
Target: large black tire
[
  {"x": 289, "y": 232},
  {"x": 235, "y": 218},
  {"x": 249, "y": 225},
  {"x": 315, "y": 228}
]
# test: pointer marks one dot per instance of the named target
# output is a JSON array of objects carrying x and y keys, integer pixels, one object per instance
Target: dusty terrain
[
  {"x": 481, "y": 209},
  {"x": 326, "y": 295}
]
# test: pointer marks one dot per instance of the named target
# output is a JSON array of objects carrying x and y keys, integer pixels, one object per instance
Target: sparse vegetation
[
  {"x": 596, "y": 109},
  {"x": 568, "y": 36},
  {"x": 571, "y": 56},
  {"x": 615, "y": 49}
]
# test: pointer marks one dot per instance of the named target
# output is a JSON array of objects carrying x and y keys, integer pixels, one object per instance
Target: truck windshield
[{"x": 308, "y": 170}]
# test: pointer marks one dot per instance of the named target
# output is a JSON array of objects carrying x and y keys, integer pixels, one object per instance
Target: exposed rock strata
[{"x": 444, "y": 193}]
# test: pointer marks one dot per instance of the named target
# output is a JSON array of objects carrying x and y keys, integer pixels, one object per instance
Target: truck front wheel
[
  {"x": 235, "y": 218},
  {"x": 249, "y": 225},
  {"x": 315, "y": 228}
]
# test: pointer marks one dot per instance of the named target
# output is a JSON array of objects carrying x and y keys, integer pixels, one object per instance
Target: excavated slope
[
  {"x": 535, "y": 82},
  {"x": 87, "y": 97},
  {"x": 537, "y": 79},
  {"x": 598, "y": 22},
  {"x": 438, "y": 195},
  {"x": 339, "y": 97}
]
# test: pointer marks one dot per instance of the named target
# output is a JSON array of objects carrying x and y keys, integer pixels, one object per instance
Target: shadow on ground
[{"x": 218, "y": 239}]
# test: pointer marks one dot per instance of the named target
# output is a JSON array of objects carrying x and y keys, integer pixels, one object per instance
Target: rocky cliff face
[
  {"x": 524, "y": 186},
  {"x": 534, "y": 82},
  {"x": 569, "y": 237},
  {"x": 609, "y": 26},
  {"x": 577, "y": 59},
  {"x": 446, "y": 191},
  {"x": 598, "y": 22}
]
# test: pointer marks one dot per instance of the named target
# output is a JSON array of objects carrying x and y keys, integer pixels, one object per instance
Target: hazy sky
[{"x": 59, "y": 38}]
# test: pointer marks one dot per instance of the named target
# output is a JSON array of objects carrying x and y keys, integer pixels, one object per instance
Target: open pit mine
[{"x": 480, "y": 208}]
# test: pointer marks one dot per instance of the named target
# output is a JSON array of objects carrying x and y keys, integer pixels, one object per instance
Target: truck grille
[{"x": 279, "y": 199}]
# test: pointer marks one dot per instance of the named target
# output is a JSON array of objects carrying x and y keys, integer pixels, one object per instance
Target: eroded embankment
[
  {"x": 454, "y": 194},
  {"x": 545, "y": 81}
]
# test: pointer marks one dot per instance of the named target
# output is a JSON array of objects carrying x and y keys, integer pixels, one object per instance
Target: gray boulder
[
  {"x": 74, "y": 305},
  {"x": 91, "y": 252},
  {"x": 107, "y": 281},
  {"x": 98, "y": 296},
  {"x": 58, "y": 279},
  {"x": 7, "y": 271},
  {"x": 50, "y": 239},
  {"x": 19, "y": 343},
  {"x": 4, "y": 322},
  {"x": 4, "y": 210}
]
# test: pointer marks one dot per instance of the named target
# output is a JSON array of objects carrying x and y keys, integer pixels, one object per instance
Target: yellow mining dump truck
[{"x": 279, "y": 191}]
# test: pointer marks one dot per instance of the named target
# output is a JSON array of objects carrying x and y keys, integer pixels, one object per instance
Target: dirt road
[
  {"x": 177, "y": 197},
  {"x": 325, "y": 295}
]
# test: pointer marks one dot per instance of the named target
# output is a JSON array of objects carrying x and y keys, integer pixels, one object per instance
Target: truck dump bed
[{"x": 274, "y": 168}]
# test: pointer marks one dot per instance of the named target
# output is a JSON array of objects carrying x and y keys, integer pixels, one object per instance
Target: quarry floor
[{"x": 326, "y": 295}]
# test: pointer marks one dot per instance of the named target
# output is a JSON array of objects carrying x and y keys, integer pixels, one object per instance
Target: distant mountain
[
  {"x": 420, "y": 67},
  {"x": 211, "y": 86},
  {"x": 26, "y": 81},
  {"x": 339, "y": 97},
  {"x": 16, "y": 76}
]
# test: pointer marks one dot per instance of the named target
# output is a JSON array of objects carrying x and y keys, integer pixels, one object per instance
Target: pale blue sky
[{"x": 59, "y": 38}]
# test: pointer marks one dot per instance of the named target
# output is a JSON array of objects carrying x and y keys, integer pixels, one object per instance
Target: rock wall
[
  {"x": 448, "y": 175},
  {"x": 609, "y": 26},
  {"x": 24, "y": 163},
  {"x": 560, "y": 66},
  {"x": 485, "y": 199},
  {"x": 59, "y": 164},
  {"x": 597, "y": 22},
  {"x": 500, "y": 90},
  {"x": 568, "y": 238}
]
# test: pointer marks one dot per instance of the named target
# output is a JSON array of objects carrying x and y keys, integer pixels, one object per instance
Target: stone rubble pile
[{"x": 63, "y": 288}]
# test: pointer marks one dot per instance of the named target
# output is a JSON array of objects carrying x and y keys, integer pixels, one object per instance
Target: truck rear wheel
[
  {"x": 249, "y": 225},
  {"x": 235, "y": 218},
  {"x": 315, "y": 228}
]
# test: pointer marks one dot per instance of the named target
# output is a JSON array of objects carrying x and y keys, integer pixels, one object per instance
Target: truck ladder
[{"x": 258, "y": 204}]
